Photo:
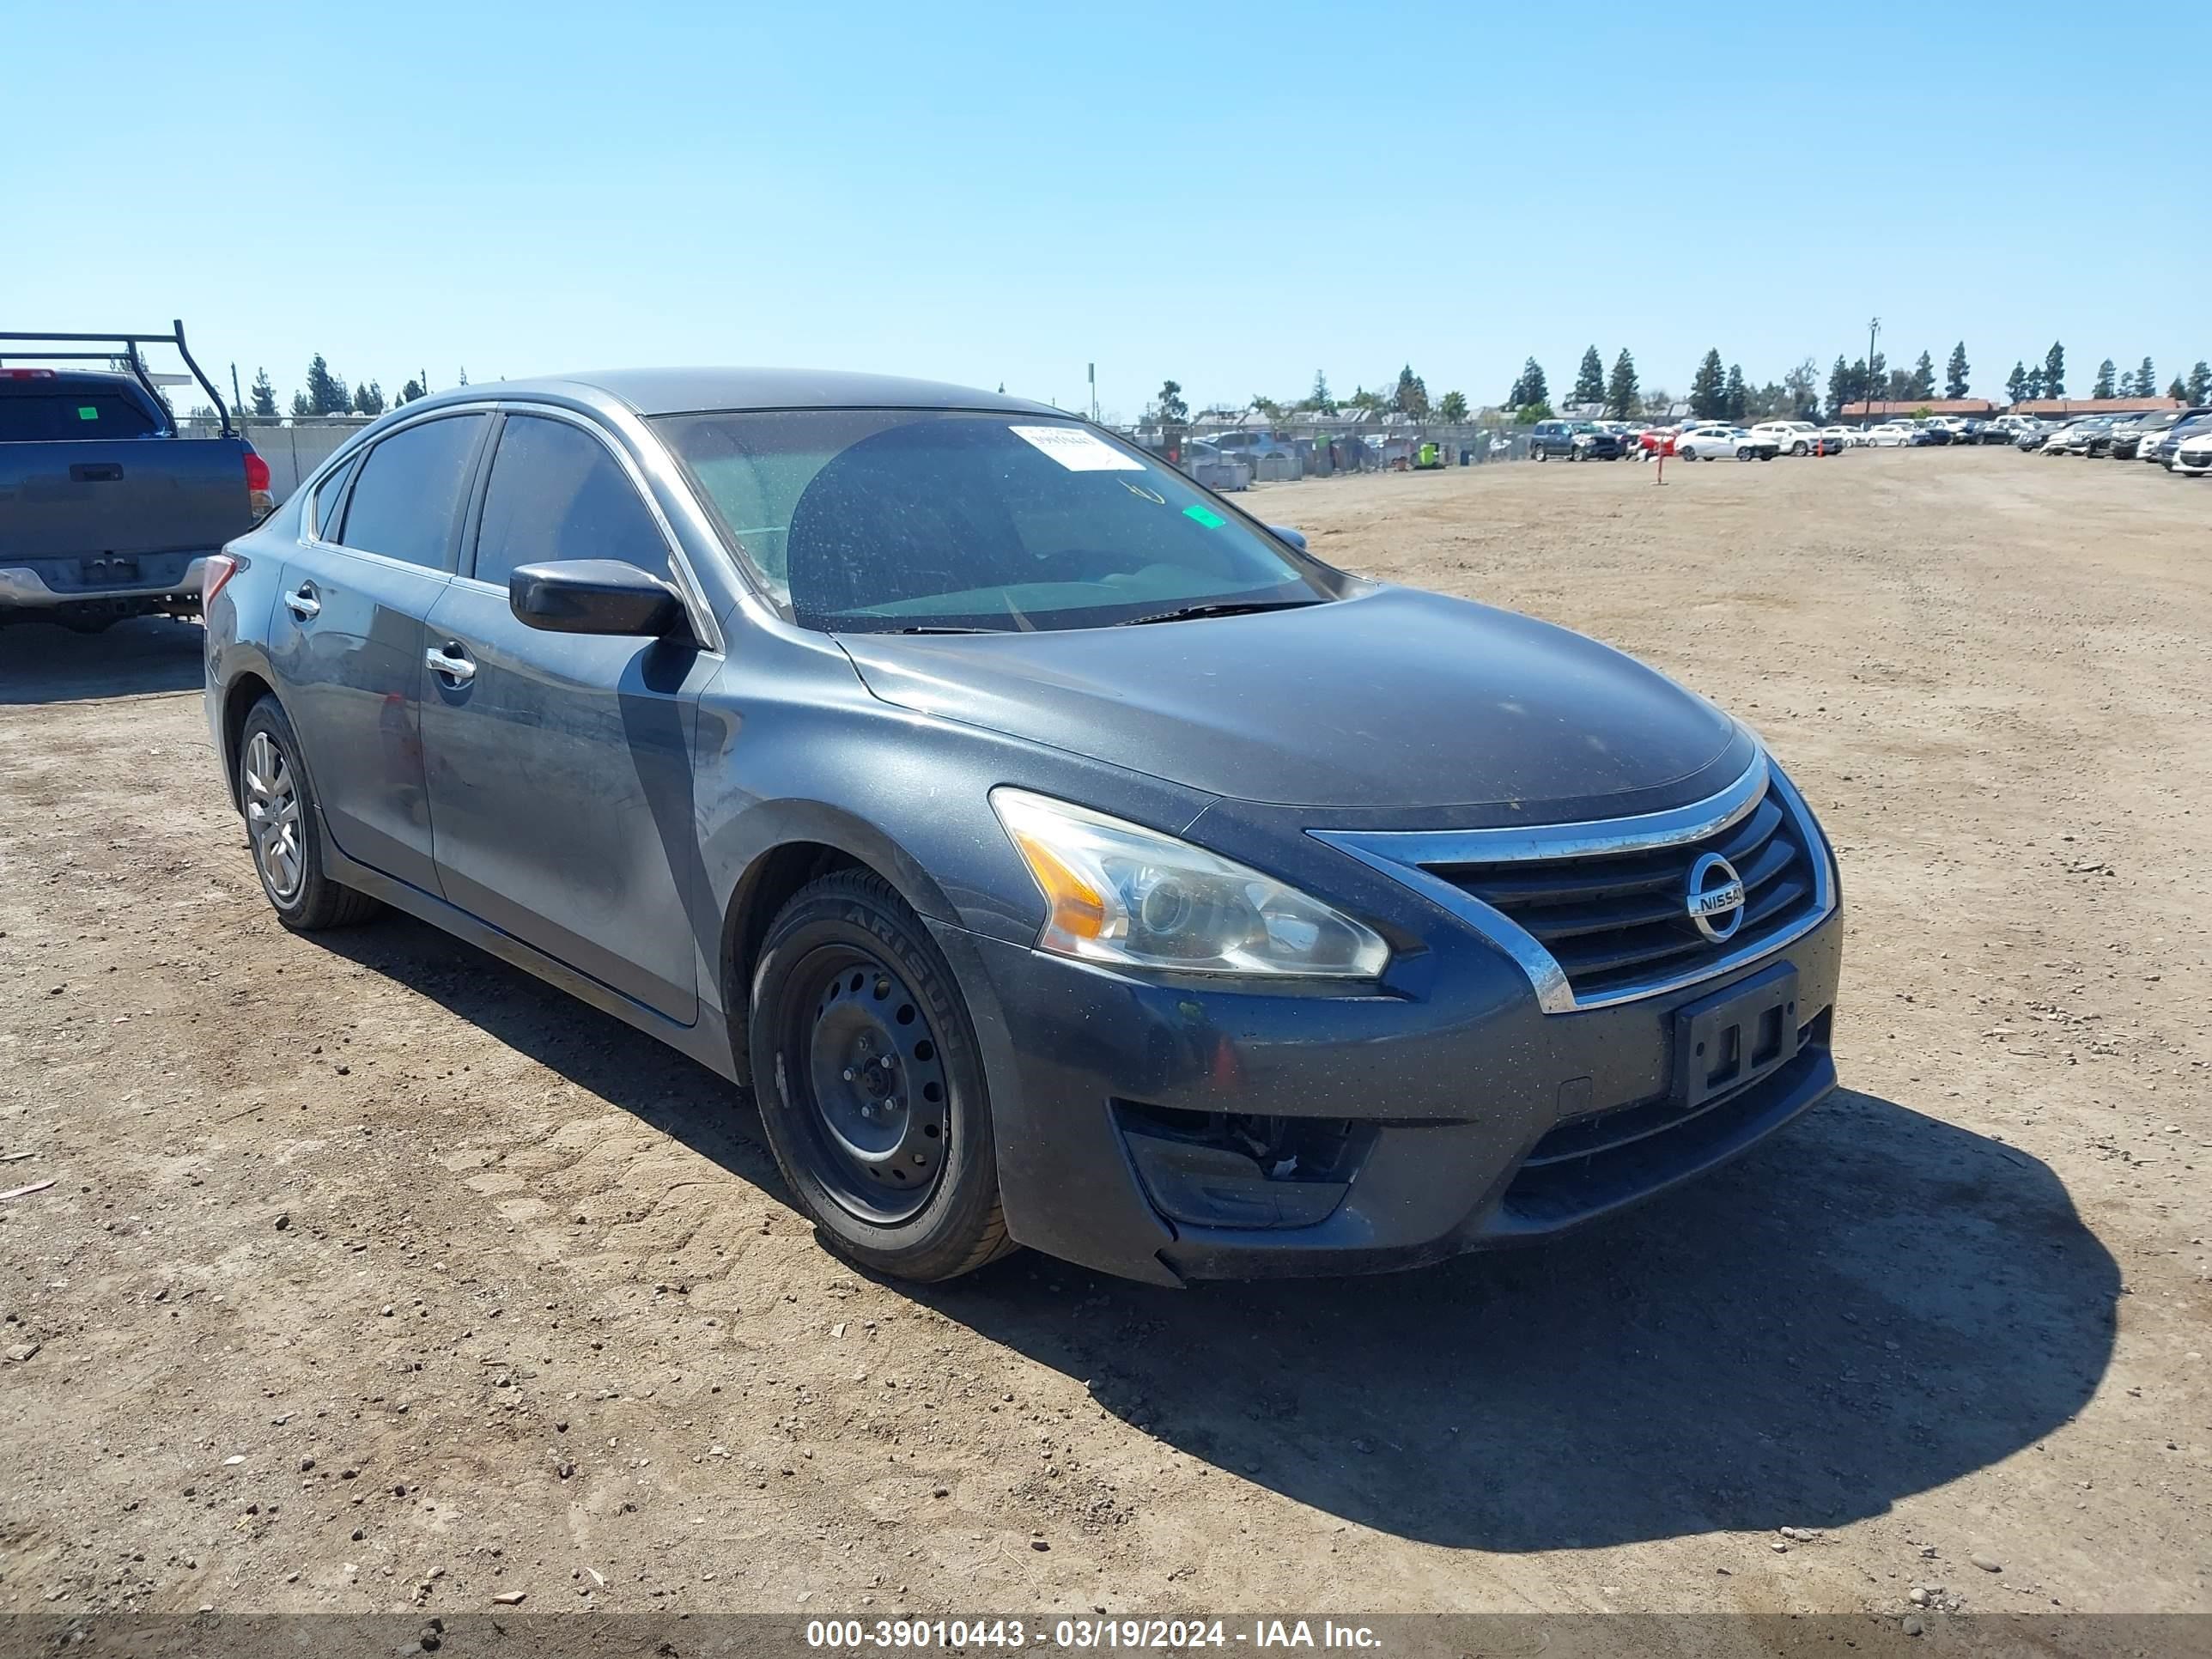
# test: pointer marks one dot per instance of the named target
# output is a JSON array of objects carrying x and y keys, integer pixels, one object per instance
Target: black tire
[
  {"x": 1542, "y": 453},
  {"x": 848, "y": 974},
  {"x": 1743, "y": 451},
  {"x": 1798, "y": 449},
  {"x": 1686, "y": 454},
  {"x": 305, "y": 898}
]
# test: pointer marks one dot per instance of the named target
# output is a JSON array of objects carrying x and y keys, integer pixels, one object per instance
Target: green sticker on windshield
[
  {"x": 87, "y": 412},
  {"x": 1210, "y": 520}
]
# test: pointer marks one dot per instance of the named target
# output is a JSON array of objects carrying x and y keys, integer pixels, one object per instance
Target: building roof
[
  {"x": 2096, "y": 405},
  {"x": 673, "y": 391},
  {"x": 1915, "y": 405}
]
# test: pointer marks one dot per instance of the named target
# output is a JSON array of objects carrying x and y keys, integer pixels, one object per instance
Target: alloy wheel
[{"x": 272, "y": 818}]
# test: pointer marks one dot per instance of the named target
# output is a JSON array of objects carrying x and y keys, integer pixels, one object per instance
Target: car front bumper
[{"x": 1475, "y": 1120}]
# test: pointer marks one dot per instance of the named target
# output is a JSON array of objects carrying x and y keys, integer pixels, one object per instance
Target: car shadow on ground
[
  {"x": 1873, "y": 1304},
  {"x": 41, "y": 663},
  {"x": 595, "y": 1051}
]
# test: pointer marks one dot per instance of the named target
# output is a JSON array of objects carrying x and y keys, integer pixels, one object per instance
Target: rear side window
[
  {"x": 408, "y": 491},
  {"x": 556, "y": 493},
  {"x": 330, "y": 501},
  {"x": 59, "y": 417}
]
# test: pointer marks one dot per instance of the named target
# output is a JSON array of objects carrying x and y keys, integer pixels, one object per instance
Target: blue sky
[{"x": 1232, "y": 197}]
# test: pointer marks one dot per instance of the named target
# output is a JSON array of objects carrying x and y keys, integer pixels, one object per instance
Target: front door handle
[
  {"x": 451, "y": 661},
  {"x": 302, "y": 603}
]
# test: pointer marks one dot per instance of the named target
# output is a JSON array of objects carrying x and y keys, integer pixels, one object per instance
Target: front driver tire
[
  {"x": 283, "y": 827},
  {"x": 870, "y": 1084}
]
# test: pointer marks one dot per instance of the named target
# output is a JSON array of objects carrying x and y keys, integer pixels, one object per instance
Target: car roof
[{"x": 675, "y": 391}]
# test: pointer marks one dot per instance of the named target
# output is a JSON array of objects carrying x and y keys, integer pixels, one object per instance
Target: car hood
[{"x": 1393, "y": 698}]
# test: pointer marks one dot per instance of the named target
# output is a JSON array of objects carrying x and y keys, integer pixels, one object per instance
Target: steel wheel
[
  {"x": 272, "y": 818},
  {"x": 871, "y": 1078}
]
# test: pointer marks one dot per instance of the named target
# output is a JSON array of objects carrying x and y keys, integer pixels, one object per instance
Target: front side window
[
  {"x": 556, "y": 493},
  {"x": 885, "y": 520},
  {"x": 407, "y": 492}
]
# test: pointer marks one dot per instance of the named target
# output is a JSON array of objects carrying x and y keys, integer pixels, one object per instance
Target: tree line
[{"x": 325, "y": 393}]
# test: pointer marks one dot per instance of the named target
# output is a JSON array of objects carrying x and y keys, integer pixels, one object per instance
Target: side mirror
[
  {"x": 594, "y": 596},
  {"x": 1283, "y": 532}
]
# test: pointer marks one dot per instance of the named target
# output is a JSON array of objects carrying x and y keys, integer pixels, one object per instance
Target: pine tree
[
  {"x": 1920, "y": 385},
  {"x": 1955, "y": 373},
  {"x": 1840, "y": 386},
  {"x": 368, "y": 399},
  {"x": 411, "y": 390},
  {"x": 2034, "y": 383},
  {"x": 1452, "y": 408},
  {"x": 301, "y": 406},
  {"x": 1709, "y": 389},
  {"x": 2016, "y": 382},
  {"x": 1736, "y": 394},
  {"x": 1621, "y": 390},
  {"x": 326, "y": 392},
  {"x": 1589, "y": 380},
  {"x": 1411, "y": 397},
  {"x": 2146, "y": 379},
  {"x": 2103, "y": 385},
  {"x": 2199, "y": 389},
  {"x": 1529, "y": 388},
  {"x": 2054, "y": 371},
  {"x": 264, "y": 396},
  {"x": 1319, "y": 401},
  {"x": 1174, "y": 411}
]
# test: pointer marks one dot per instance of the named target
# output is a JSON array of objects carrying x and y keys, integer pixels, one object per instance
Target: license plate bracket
[{"x": 1735, "y": 1037}]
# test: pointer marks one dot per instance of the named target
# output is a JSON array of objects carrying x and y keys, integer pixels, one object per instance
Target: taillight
[
  {"x": 257, "y": 496},
  {"x": 26, "y": 374},
  {"x": 219, "y": 569}
]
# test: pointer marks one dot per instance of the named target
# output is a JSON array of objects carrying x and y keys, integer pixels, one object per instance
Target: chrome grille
[
  {"x": 1612, "y": 923},
  {"x": 1598, "y": 912}
]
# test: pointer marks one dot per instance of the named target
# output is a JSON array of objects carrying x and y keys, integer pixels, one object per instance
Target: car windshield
[{"x": 900, "y": 519}]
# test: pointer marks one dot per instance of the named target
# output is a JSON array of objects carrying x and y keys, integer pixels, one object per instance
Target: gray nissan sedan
[{"x": 1062, "y": 856}]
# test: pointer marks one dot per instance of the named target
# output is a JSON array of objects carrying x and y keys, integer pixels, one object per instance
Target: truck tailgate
[{"x": 130, "y": 496}]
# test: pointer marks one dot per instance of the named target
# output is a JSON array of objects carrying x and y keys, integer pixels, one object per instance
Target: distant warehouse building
[
  {"x": 1980, "y": 409},
  {"x": 1975, "y": 409},
  {"x": 2073, "y": 408}
]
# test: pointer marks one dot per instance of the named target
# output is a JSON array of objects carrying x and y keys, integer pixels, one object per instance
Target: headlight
[{"x": 1117, "y": 893}]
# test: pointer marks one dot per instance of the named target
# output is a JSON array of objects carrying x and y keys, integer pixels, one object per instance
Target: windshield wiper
[
  {"x": 1221, "y": 608},
  {"x": 935, "y": 628}
]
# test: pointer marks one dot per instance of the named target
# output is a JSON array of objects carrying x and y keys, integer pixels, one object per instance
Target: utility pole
[
  {"x": 1873, "y": 329},
  {"x": 1094, "y": 394}
]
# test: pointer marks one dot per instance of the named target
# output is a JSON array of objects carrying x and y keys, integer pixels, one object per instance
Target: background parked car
[
  {"x": 1597, "y": 440},
  {"x": 1890, "y": 435},
  {"x": 1795, "y": 437},
  {"x": 2192, "y": 455},
  {"x": 1713, "y": 440},
  {"x": 2163, "y": 452}
]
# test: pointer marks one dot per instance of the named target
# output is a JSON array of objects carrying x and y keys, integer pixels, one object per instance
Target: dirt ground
[{"x": 374, "y": 1275}]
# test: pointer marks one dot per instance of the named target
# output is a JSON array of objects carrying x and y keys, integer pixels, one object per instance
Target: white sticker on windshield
[{"x": 1077, "y": 450}]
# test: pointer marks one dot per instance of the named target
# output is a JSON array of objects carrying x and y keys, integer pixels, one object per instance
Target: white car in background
[
  {"x": 1890, "y": 435},
  {"x": 1709, "y": 440},
  {"x": 1841, "y": 437},
  {"x": 1791, "y": 437},
  {"x": 2194, "y": 458}
]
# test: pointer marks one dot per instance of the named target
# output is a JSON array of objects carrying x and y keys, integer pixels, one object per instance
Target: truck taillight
[
  {"x": 258, "y": 496},
  {"x": 219, "y": 569}
]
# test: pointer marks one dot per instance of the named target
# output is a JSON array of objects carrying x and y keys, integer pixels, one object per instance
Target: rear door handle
[
  {"x": 96, "y": 472},
  {"x": 303, "y": 604},
  {"x": 451, "y": 661}
]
